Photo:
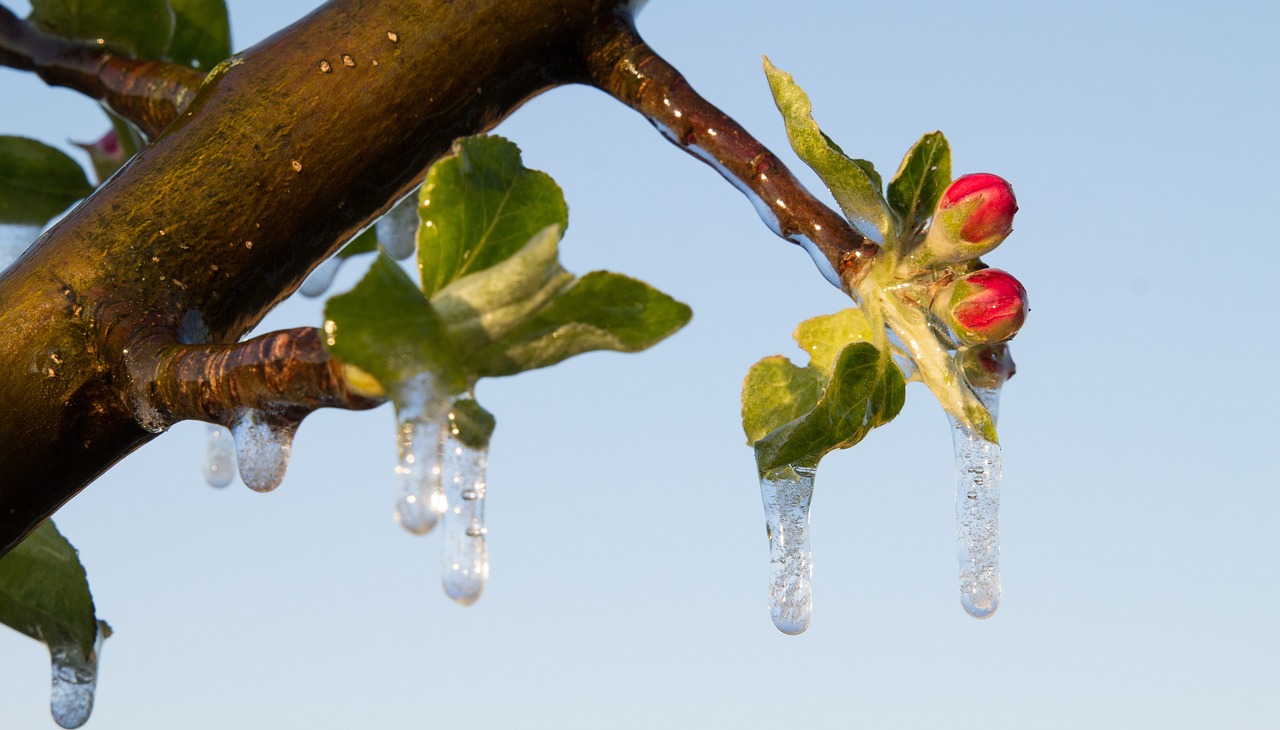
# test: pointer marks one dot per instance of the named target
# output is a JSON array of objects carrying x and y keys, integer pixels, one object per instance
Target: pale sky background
[{"x": 629, "y": 563}]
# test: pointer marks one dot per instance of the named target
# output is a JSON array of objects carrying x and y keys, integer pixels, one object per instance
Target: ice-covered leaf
[
  {"x": 856, "y": 191},
  {"x": 479, "y": 205},
  {"x": 866, "y": 390},
  {"x": 44, "y": 592},
  {"x": 600, "y": 311},
  {"x": 37, "y": 182},
  {"x": 201, "y": 33},
  {"x": 386, "y": 327},
  {"x": 470, "y": 423},
  {"x": 775, "y": 393},
  {"x": 924, "y": 173},
  {"x": 140, "y": 28},
  {"x": 823, "y": 337}
]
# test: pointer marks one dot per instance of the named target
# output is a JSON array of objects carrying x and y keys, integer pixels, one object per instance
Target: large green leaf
[
  {"x": 201, "y": 33},
  {"x": 855, "y": 190},
  {"x": 44, "y": 592},
  {"x": 824, "y": 337},
  {"x": 139, "y": 28},
  {"x": 386, "y": 327},
  {"x": 600, "y": 311},
  {"x": 37, "y": 182},
  {"x": 866, "y": 390},
  {"x": 775, "y": 393},
  {"x": 918, "y": 184},
  {"x": 480, "y": 205}
]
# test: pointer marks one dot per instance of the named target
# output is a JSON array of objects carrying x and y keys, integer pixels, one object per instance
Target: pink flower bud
[
  {"x": 974, "y": 215},
  {"x": 986, "y": 306},
  {"x": 107, "y": 155},
  {"x": 987, "y": 366}
]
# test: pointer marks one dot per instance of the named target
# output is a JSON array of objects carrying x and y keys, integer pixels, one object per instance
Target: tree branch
[{"x": 150, "y": 94}]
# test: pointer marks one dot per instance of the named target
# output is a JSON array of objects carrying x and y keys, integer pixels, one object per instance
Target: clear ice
[
  {"x": 421, "y": 414},
  {"x": 465, "y": 557},
  {"x": 15, "y": 238},
  {"x": 219, "y": 457},
  {"x": 321, "y": 278},
  {"x": 75, "y": 677},
  {"x": 262, "y": 448},
  {"x": 787, "y": 493},
  {"x": 978, "y": 513},
  {"x": 398, "y": 229}
]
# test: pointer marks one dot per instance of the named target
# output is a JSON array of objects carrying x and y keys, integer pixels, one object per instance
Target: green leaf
[
  {"x": 385, "y": 327},
  {"x": 924, "y": 174},
  {"x": 856, "y": 191},
  {"x": 866, "y": 390},
  {"x": 44, "y": 592},
  {"x": 138, "y": 28},
  {"x": 366, "y": 242},
  {"x": 824, "y": 337},
  {"x": 479, "y": 205},
  {"x": 471, "y": 424},
  {"x": 600, "y": 311},
  {"x": 775, "y": 393},
  {"x": 201, "y": 33},
  {"x": 37, "y": 182},
  {"x": 870, "y": 169}
]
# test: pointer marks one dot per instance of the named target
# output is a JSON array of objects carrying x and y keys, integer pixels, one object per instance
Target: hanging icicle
[
  {"x": 787, "y": 493},
  {"x": 75, "y": 678},
  {"x": 420, "y": 414},
  {"x": 263, "y": 445},
  {"x": 465, "y": 554},
  {"x": 219, "y": 457}
]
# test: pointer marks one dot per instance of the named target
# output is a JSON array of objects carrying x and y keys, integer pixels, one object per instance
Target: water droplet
[
  {"x": 978, "y": 513},
  {"x": 321, "y": 278},
  {"x": 465, "y": 558},
  {"x": 787, "y": 493},
  {"x": 219, "y": 457},
  {"x": 75, "y": 678},
  {"x": 420, "y": 414},
  {"x": 263, "y": 444},
  {"x": 398, "y": 230}
]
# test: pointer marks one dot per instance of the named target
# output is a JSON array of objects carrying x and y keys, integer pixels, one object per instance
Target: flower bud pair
[
  {"x": 985, "y": 306},
  {"x": 973, "y": 216}
]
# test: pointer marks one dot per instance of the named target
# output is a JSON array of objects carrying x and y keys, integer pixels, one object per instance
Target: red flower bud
[
  {"x": 986, "y": 306},
  {"x": 974, "y": 215},
  {"x": 987, "y": 366},
  {"x": 107, "y": 155}
]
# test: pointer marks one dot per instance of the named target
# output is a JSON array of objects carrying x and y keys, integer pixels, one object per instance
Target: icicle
[
  {"x": 787, "y": 492},
  {"x": 978, "y": 512},
  {"x": 15, "y": 238},
  {"x": 465, "y": 558},
  {"x": 321, "y": 278},
  {"x": 219, "y": 457},
  {"x": 398, "y": 229},
  {"x": 421, "y": 413},
  {"x": 262, "y": 448},
  {"x": 75, "y": 677}
]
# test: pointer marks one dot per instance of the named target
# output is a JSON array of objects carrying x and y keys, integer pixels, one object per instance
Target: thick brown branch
[
  {"x": 150, "y": 94},
  {"x": 623, "y": 65}
]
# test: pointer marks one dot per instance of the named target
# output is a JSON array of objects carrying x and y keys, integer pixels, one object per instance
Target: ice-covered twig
[
  {"x": 625, "y": 67},
  {"x": 150, "y": 94}
]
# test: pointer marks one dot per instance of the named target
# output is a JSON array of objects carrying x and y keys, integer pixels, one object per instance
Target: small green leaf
[
  {"x": 479, "y": 205},
  {"x": 870, "y": 169},
  {"x": 44, "y": 592},
  {"x": 366, "y": 242},
  {"x": 856, "y": 191},
  {"x": 201, "y": 33},
  {"x": 600, "y": 311},
  {"x": 824, "y": 337},
  {"x": 866, "y": 390},
  {"x": 775, "y": 393},
  {"x": 924, "y": 174},
  {"x": 385, "y": 327},
  {"x": 139, "y": 28},
  {"x": 471, "y": 424},
  {"x": 37, "y": 182}
]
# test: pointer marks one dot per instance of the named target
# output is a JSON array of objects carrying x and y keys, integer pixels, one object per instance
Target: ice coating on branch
[
  {"x": 321, "y": 278},
  {"x": 219, "y": 457},
  {"x": 787, "y": 492},
  {"x": 262, "y": 448},
  {"x": 14, "y": 239},
  {"x": 465, "y": 558},
  {"x": 397, "y": 231},
  {"x": 978, "y": 513},
  {"x": 420, "y": 414},
  {"x": 75, "y": 677}
]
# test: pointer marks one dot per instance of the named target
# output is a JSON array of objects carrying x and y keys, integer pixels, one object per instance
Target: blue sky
[{"x": 628, "y": 561}]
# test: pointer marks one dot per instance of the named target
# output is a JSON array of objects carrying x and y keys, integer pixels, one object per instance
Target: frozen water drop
[
  {"x": 75, "y": 677},
  {"x": 398, "y": 229},
  {"x": 219, "y": 457},
  {"x": 465, "y": 558},
  {"x": 262, "y": 448},
  {"x": 420, "y": 414},
  {"x": 787, "y": 493},
  {"x": 15, "y": 238},
  {"x": 321, "y": 278},
  {"x": 978, "y": 513}
]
